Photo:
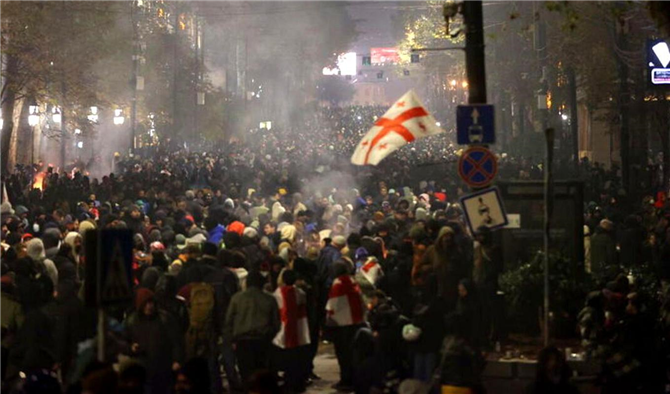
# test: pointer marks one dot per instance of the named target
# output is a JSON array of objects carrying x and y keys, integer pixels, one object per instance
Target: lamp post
[
  {"x": 93, "y": 116},
  {"x": 119, "y": 119},
  {"x": 56, "y": 116},
  {"x": 33, "y": 120}
]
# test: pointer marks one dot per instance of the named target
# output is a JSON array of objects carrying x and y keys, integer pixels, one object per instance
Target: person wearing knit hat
[
  {"x": 180, "y": 241},
  {"x": 250, "y": 233},
  {"x": 236, "y": 227},
  {"x": 339, "y": 241}
]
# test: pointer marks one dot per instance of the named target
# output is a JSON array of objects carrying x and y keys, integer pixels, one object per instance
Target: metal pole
[
  {"x": 175, "y": 40},
  {"x": 474, "y": 51},
  {"x": 101, "y": 334},
  {"x": 133, "y": 108},
  {"x": 196, "y": 84},
  {"x": 574, "y": 126},
  {"x": 548, "y": 208}
]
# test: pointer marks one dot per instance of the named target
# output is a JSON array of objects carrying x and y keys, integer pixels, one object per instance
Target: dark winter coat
[{"x": 603, "y": 251}]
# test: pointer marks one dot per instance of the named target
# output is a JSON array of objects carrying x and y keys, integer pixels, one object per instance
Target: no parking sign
[{"x": 478, "y": 166}]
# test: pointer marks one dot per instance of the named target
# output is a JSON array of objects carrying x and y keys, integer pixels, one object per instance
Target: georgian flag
[
  {"x": 294, "y": 330},
  {"x": 345, "y": 303},
  {"x": 372, "y": 271},
  {"x": 406, "y": 121}
]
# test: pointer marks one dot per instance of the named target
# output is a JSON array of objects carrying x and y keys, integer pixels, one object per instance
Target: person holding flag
[{"x": 406, "y": 121}]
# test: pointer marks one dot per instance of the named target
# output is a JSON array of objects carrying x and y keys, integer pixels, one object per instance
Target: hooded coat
[
  {"x": 448, "y": 265},
  {"x": 159, "y": 342}
]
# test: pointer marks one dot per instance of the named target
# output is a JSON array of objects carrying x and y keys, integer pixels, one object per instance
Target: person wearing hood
[
  {"x": 215, "y": 231},
  {"x": 154, "y": 341},
  {"x": 52, "y": 240},
  {"x": 35, "y": 250},
  {"x": 603, "y": 249},
  {"x": 442, "y": 258},
  {"x": 288, "y": 234},
  {"x": 277, "y": 210},
  {"x": 368, "y": 277}
]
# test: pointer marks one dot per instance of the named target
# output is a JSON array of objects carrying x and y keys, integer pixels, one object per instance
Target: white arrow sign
[
  {"x": 475, "y": 116},
  {"x": 662, "y": 52}
]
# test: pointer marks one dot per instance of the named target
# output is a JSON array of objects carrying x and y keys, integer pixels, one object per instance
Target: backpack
[{"x": 200, "y": 333}]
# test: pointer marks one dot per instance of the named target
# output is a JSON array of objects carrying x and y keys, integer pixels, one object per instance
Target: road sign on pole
[
  {"x": 475, "y": 124},
  {"x": 115, "y": 283},
  {"x": 484, "y": 208},
  {"x": 109, "y": 258},
  {"x": 478, "y": 166}
]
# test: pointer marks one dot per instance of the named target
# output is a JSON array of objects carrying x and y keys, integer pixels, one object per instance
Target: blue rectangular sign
[{"x": 475, "y": 124}]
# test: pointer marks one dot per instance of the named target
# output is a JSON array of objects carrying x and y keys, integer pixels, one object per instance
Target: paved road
[{"x": 325, "y": 365}]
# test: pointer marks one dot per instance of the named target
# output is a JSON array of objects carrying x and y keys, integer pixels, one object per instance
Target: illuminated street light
[
  {"x": 93, "y": 117},
  {"x": 77, "y": 131},
  {"x": 464, "y": 84},
  {"x": 56, "y": 115},
  {"x": 80, "y": 144},
  {"x": 453, "y": 82},
  {"x": 438, "y": 124},
  {"x": 564, "y": 117},
  {"x": 33, "y": 117},
  {"x": 118, "y": 117}
]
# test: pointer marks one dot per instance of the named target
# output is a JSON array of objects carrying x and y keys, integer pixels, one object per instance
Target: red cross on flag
[{"x": 404, "y": 122}]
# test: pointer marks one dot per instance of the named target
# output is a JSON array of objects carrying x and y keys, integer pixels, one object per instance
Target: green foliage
[
  {"x": 660, "y": 13},
  {"x": 524, "y": 292}
]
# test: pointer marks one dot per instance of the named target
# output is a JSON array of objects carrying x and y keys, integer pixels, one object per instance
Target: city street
[{"x": 473, "y": 193}]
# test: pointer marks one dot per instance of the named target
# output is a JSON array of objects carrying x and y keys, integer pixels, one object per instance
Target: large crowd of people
[{"x": 246, "y": 258}]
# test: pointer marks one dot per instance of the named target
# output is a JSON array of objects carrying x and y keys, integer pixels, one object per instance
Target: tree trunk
[{"x": 8, "y": 101}]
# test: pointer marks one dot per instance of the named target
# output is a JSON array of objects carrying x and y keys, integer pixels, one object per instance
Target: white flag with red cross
[{"x": 406, "y": 121}]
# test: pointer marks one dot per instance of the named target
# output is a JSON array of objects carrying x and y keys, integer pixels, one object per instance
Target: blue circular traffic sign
[{"x": 477, "y": 166}]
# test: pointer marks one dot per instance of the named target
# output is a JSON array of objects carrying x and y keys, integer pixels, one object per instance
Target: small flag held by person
[{"x": 406, "y": 121}]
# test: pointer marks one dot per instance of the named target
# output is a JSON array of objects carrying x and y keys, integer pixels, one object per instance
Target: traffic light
[
  {"x": 367, "y": 60},
  {"x": 415, "y": 58}
]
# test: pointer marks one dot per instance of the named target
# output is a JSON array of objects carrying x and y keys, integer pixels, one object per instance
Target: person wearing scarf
[
  {"x": 293, "y": 336},
  {"x": 345, "y": 313}
]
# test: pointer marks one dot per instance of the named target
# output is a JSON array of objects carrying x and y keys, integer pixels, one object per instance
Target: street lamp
[
  {"x": 80, "y": 144},
  {"x": 453, "y": 83},
  {"x": 33, "y": 117},
  {"x": 564, "y": 117},
  {"x": 77, "y": 131},
  {"x": 93, "y": 117},
  {"x": 464, "y": 84},
  {"x": 118, "y": 117},
  {"x": 56, "y": 115}
]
